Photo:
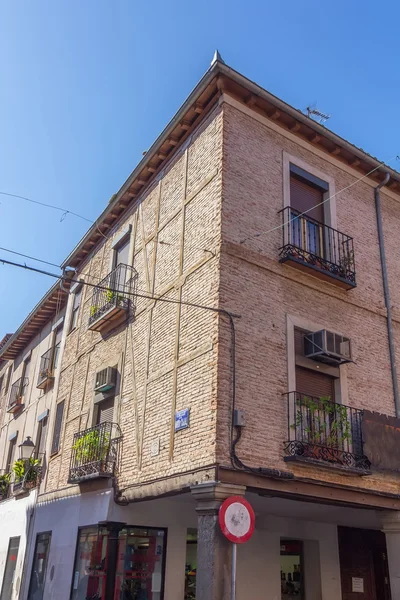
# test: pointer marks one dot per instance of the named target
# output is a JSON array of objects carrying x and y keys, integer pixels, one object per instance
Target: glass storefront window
[
  {"x": 140, "y": 566},
  {"x": 8, "y": 579},
  {"x": 292, "y": 579},
  {"x": 90, "y": 564},
  {"x": 39, "y": 567}
]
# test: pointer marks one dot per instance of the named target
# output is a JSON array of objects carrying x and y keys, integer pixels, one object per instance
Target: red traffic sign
[{"x": 236, "y": 519}]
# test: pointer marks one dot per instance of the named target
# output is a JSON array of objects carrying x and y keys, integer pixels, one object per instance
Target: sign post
[{"x": 236, "y": 520}]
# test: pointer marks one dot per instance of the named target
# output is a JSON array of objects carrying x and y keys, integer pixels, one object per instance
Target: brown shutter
[
  {"x": 313, "y": 383},
  {"x": 105, "y": 412},
  {"x": 304, "y": 195},
  {"x": 55, "y": 444}
]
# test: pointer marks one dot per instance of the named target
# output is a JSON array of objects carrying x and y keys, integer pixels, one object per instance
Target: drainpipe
[{"x": 387, "y": 294}]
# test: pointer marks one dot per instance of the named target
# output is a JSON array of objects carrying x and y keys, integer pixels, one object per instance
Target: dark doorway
[
  {"x": 8, "y": 579},
  {"x": 363, "y": 564}
]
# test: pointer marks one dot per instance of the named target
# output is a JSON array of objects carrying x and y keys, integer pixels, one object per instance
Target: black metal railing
[
  {"x": 46, "y": 367},
  {"x": 95, "y": 452},
  {"x": 113, "y": 291},
  {"x": 317, "y": 245},
  {"x": 322, "y": 430},
  {"x": 17, "y": 392}
]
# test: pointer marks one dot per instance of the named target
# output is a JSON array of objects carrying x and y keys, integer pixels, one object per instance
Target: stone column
[
  {"x": 213, "y": 549},
  {"x": 391, "y": 527}
]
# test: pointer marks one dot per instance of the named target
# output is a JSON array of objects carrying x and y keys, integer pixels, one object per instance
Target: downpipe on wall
[{"x": 386, "y": 291}]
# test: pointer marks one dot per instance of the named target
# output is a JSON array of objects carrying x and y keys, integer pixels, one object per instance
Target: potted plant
[
  {"x": 92, "y": 447},
  {"x": 26, "y": 472},
  {"x": 4, "y": 485}
]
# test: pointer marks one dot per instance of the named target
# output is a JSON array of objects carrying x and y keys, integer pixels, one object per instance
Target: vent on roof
[
  {"x": 106, "y": 379},
  {"x": 327, "y": 347}
]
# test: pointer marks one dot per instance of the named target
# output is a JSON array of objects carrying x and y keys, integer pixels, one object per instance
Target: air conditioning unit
[
  {"x": 327, "y": 347},
  {"x": 105, "y": 379}
]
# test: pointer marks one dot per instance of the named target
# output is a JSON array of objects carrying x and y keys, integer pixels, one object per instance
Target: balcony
[
  {"x": 311, "y": 245},
  {"x": 112, "y": 298},
  {"x": 46, "y": 371},
  {"x": 27, "y": 475},
  {"x": 325, "y": 433},
  {"x": 16, "y": 401},
  {"x": 95, "y": 453}
]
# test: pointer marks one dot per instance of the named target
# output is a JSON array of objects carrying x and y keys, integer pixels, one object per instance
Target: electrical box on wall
[{"x": 239, "y": 418}]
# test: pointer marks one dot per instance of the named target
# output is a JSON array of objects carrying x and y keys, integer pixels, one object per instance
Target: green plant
[
  {"x": 322, "y": 421},
  {"x": 347, "y": 261},
  {"x": 110, "y": 295},
  {"x": 93, "y": 310},
  {"x": 26, "y": 469},
  {"x": 4, "y": 483},
  {"x": 91, "y": 447}
]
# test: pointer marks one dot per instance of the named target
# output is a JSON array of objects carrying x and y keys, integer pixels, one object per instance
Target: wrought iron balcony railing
[
  {"x": 310, "y": 244},
  {"x": 324, "y": 431},
  {"x": 17, "y": 392},
  {"x": 95, "y": 452},
  {"x": 46, "y": 370},
  {"x": 112, "y": 296}
]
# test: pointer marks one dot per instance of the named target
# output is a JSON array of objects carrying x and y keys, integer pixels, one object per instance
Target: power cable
[
  {"x": 30, "y": 257},
  {"x": 256, "y": 235},
  {"x": 65, "y": 211},
  {"x": 236, "y": 462}
]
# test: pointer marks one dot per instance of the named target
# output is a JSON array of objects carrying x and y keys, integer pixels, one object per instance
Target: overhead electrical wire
[{"x": 65, "y": 211}]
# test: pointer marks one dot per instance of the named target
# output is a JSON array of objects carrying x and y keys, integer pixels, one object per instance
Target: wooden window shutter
[
  {"x": 105, "y": 413},
  {"x": 55, "y": 444},
  {"x": 304, "y": 196},
  {"x": 42, "y": 442},
  {"x": 314, "y": 383}
]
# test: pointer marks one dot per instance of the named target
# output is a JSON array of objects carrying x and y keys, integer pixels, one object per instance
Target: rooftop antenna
[{"x": 316, "y": 115}]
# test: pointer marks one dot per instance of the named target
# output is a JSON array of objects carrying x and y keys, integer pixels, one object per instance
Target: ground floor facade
[{"x": 85, "y": 546}]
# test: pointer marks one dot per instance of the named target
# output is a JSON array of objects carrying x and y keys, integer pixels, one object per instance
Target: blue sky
[{"x": 87, "y": 86}]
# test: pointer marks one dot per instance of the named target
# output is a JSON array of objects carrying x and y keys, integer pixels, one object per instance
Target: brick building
[
  {"x": 239, "y": 273},
  {"x": 29, "y": 369}
]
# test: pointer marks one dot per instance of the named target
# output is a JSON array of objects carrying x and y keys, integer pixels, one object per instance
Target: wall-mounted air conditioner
[
  {"x": 106, "y": 379},
  {"x": 327, "y": 347}
]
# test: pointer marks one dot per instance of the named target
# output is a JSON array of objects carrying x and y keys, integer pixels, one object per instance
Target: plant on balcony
[
  {"x": 347, "y": 261},
  {"x": 93, "y": 310},
  {"x": 91, "y": 447},
  {"x": 112, "y": 296},
  {"x": 322, "y": 421},
  {"x": 26, "y": 471},
  {"x": 4, "y": 485}
]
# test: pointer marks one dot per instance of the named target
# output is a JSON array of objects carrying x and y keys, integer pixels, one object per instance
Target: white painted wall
[{"x": 15, "y": 516}]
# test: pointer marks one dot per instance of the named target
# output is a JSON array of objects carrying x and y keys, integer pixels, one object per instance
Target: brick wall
[
  {"x": 263, "y": 292},
  {"x": 166, "y": 354}
]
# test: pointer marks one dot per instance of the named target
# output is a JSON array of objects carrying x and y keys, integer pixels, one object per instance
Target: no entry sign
[{"x": 236, "y": 519}]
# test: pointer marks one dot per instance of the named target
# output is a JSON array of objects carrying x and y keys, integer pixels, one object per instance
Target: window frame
[
  {"x": 12, "y": 446},
  {"x": 308, "y": 171},
  {"x": 53, "y": 451},
  {"x": 7, "y": 562},
  {"x": 8, "y": 379},
  {"x": 40, "y": 533},
  {"x": 75, "y": 310}
]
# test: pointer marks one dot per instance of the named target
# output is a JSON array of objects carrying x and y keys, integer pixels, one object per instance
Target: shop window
[
  {"x": 292, "y": 578},
  {"x": 39, "y": 567},
  {"x": 89, "y": 577},
  {"x": 11, "y": 563},
  {"x": 141, "y": 564},
  {"x": 191, "y": 564}
]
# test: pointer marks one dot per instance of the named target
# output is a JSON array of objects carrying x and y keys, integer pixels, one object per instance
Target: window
[
  {"x": 11, "y": 453},
  {"x": 57, "y": 344},
  {"x": 9, "y": 372},
  {"x": 39, "y": 566},
  {"x": 121, "y": 253},
  {"x": 75, "y": 308},
  {"x": 55, "y": 444},
  {"x": 1, "y": 384},
  {"x": 40, "y": 445},
  {"x": 11, "y": 563},
  {"x": 26, "y": 370},
  {"x": 105, "y": 411},
  {"x": 89, "y": 576}
]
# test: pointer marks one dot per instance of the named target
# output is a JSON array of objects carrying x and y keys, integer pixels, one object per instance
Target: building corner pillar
[
  {"x": 213, "y": 549},
  {"x": 390, "y": 521}
]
